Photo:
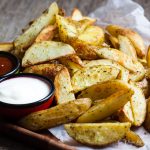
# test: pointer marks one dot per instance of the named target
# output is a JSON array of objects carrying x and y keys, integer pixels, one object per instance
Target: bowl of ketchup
[{"x": 9, "y": 64}]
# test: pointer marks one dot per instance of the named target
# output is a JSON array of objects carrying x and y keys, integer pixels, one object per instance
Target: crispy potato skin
[
  {"x": 46, "y": 34},
  {"x": 57, "y": 115},
  {"x": 104, "y": 90},
  {"x": 27, "y": 38},
  {"x": 127, "y": 47},
  {"x": 134, "y": 37},
  {"x": 120, "y": 57},
  {"x": 114, "y": 41},
  {"x": 86, "y": 77},
  {"x": 147, "y": 119},
  {"x": 48, "y": 70},
  {"x": 97, "y": 134},
  {"x": 106, "y": 107},
  {"x": 132, "y": 138},
  {"x": 71, "y": 32},
  {"x": 63, "y": 87}
]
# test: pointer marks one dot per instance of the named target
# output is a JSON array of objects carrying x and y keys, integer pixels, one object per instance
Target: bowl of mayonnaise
[{"x": 24, "y": 93}]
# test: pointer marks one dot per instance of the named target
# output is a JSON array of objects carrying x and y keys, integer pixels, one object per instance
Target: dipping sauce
[
  {"x": 23, "y": 90},
  {"x": 6, "y": 65}
]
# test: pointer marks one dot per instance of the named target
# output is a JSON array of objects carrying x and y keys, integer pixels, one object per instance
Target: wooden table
[{"x": 15, "y": 14}]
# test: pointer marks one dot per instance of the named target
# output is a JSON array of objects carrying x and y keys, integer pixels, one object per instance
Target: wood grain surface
[{"x": 15, "y": 14}]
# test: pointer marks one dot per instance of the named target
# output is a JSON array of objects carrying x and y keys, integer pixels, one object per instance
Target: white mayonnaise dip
[{"x": 23, "y": 90}]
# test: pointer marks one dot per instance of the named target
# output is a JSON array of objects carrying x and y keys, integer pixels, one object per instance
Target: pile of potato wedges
[{"x": 101, "y": 76}]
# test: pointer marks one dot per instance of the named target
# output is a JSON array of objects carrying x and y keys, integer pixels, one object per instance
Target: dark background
[{"x": 15, "y": 14}]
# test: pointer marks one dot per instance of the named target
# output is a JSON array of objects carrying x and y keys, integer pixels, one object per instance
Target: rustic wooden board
[
  {"x": 44, "y": 139},
  {"x": 15, "y": 14}
]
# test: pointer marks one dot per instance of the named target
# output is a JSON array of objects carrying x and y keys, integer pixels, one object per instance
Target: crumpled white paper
[{"x": 129, "y": 14}]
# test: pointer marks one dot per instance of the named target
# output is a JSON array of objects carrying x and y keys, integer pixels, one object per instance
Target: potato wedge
[
  {"x": 143, "y": 61},
  {"x": 132, "y": 138},
  {"x": 69, "y": 31},
  {"x": 97, "y": 134},
  {"x": 104, "y": 90},
  {"x": 92, "y": 35},
  {"x": 6, "y": 47},
  {"x": 86, "y": 77},
  {"x": 84, "y": 51},
  {"x": 144, "y": 85},
  {"x": 120, "y": 57},
  {"x": 76, "y": 15},
  {"x": 46, "y": 34},
  {"x": 148, "y": 57},
  {"x": 56, "y": 115},
  {"x": 45, "y": 51},
  {"x": 147, "y": 119},
  {"x": 28, "y": 37},
  {"x": 138, "y": 76},
  {"x": 63, "y": 87},
  {"x": 106, "y": 107},
  {"x": 72, "y": 62},
  {"x": 134, "y": 37},
  {"x": 126, "y": 46},
  {"x": 138, "y": 105},
  {"x": 147, "y": 73},
  {"x": 124, "y": 73},
  {"x": 125, "y": 114},
  {"x": 48, "y": 70},
  {"x": 114, "y": 41}
]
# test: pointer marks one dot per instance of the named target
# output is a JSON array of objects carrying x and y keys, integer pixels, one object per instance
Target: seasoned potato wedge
[
  {"x": 69, "y": 31},
  {"x": 144, "y": 85},
  {"x": 92, "y": 35},
  {"x": 137, "y": 101},
  {"x": 147, "y": 119},
  {"x": 46, "y": 34},
  {"x": 125, "y": 114},
  {"x": 124, "y": 73},
  {"x": 56, "y": 115},
  {"x": 104, "y": 90},
  {"x": 76, "y": 15},
  {"x": 28, "y": 37},
  {"x": 148, "y": 57},
  {"x": 134, "y": 37},
  {"x": 120, "y": 57},
  {"x": 132, "y": 138},
  {"x": 63, "y": 87},
  {"x": 86, "y": 77},
  {"x": 84, "y": 51},
  {"x": 6, "y": 47},
  {"x": 126, "y": 46},
  {"x": 138, "y": 105},
  {"x": 48, "y": 70},
  {"x": 114, "y": 41},
  {"x": 106, "y": 107},
  {"x": 45, "y": 51},
  {"x": 97, "y": 134},
  {"x": 73, "y": 62}
]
